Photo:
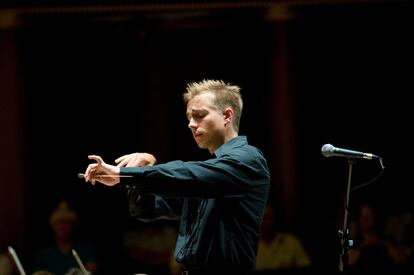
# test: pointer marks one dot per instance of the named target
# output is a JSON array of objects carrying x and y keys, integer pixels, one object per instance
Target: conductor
[{"x": 219, "y": 201}]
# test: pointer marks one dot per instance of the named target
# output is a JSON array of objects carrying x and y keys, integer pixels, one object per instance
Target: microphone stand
[{"x": 343, "y": 233}]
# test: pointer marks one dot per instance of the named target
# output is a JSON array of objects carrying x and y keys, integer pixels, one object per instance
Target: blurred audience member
[
  {"x": 408, "y": 242},
  {"x": 57, "y": 258},
  {"x": 372, "y": 252},
  {"x": 400, "y": 228},
  {"x": 397, "y": 227},
  {"x": 279, "y": 250},
  {"x": 150, "y": 247},
  {"x": 6, "y": 264}
]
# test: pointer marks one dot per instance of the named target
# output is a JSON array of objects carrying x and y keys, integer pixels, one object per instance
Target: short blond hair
[{"x": 225, "y": 95}]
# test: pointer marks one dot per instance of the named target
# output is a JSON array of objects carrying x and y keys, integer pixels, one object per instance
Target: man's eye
[{"x": 197, "y": 115}]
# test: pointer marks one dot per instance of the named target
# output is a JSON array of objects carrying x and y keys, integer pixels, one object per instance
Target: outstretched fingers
[
  {"x": 92, "y": 168},
  {"x": 122, "y": 161},
  {"x": 96, "y": 158}
]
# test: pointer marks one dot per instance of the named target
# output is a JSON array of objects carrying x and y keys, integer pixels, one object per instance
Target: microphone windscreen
[{"x": 328, "y": 150}]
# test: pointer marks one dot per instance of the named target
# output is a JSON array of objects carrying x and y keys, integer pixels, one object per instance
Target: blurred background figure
[
  {"x": 57, "y": 258},
  {"x": 279, "y": 251},
  {"x": 149, "y": 248},
  {"x": 6, "y": 264},
  {"x": 372, "y": 252}
]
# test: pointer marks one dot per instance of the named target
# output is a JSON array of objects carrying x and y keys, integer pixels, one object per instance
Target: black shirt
[{"x": 221, "y": 204}]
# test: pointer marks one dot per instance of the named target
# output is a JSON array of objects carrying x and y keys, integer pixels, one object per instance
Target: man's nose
[{"x": 192, "y": 124}]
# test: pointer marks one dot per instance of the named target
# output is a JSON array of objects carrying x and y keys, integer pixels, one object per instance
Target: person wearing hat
[{"x": 57, "y": 258}]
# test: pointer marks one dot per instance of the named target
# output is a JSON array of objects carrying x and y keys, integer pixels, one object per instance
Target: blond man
[{"x": 220, "y": 200}]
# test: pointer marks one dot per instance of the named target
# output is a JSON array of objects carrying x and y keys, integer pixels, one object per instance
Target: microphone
[{"x": 328, "y": 150}]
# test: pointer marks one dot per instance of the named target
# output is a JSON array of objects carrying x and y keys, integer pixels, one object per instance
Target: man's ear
[{"x": 228, "y": 115}]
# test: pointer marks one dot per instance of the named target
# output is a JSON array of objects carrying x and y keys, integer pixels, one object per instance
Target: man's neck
[
  {"x": 232, "y": 134},
  {"x": 64, "y": 245},
  {"x": 229, "y": 135}
]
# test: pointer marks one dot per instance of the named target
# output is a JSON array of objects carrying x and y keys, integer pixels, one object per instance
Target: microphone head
[{"x": 328, "y": 150}]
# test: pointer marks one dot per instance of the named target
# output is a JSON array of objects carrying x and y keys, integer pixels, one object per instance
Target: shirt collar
[{"x": 231, "y": 144}]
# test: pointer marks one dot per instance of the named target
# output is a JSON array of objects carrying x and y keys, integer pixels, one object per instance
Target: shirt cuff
[{"x": 129, "y": 183}]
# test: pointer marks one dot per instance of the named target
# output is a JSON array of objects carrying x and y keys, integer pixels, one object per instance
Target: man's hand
[
  {"x": 101, "y": 172},
  {"x": 136, "y": 160}
]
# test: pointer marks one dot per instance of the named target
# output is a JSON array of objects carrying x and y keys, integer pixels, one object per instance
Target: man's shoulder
[
  {"x": 247, "y": 150},
  {"x": 249, "y": 156},
  {"x": 241, "y": 143},
  {"x": 47, "y": 250},
  {"x": 239, "y": 150}
]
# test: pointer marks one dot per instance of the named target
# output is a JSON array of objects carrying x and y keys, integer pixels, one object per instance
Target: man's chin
[{"x": 201, "y": 145}]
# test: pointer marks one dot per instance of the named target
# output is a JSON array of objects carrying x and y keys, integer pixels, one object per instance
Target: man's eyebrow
[{"x": 195, "y": 110}]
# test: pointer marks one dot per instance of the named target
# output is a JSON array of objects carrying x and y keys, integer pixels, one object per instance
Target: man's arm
[
  {"x": 147, "y": 207},
  {"x": 215, "y": 178}
]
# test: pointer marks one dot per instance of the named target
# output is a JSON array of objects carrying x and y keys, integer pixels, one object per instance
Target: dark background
[{"x": 108, "y": 79}]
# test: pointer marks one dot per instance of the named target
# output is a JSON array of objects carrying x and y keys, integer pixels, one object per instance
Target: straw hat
[{"x": 63, "y": 213}]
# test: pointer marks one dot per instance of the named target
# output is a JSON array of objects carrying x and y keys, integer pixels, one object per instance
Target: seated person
[
  {"x": 149, "y": 247},
  {"x": 372, "y": 252},
  {"x": 6, "y": 265},
  {"x": 279, "y": 250},
  {"x": 57, "y": 258}
]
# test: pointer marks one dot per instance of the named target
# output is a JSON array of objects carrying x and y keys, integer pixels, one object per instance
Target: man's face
[
  {"x": 206, "y": 122},
  {"x": 62, "y": 229}
]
